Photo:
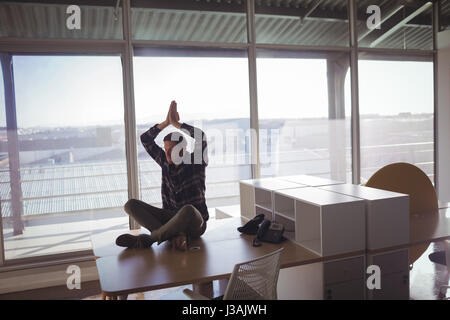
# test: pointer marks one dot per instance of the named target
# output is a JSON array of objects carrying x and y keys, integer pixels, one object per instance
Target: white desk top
[
  {"x": 311, "y": 181},
  {"x": 317, "y": 196},
  {"x": 271, "y": 184},
  {"x": 362, "y": 192}
]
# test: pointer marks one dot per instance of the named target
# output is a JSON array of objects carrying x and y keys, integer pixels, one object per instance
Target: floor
[{"x": 427, "y": 277}]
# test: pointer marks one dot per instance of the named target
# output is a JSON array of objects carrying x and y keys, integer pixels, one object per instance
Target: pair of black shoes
[
  {"x": 252, "y": 226},
  {"x": 141, "y": 241}
]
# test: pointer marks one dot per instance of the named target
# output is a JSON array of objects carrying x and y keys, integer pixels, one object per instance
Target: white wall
[{"x": 444, "y": 115}]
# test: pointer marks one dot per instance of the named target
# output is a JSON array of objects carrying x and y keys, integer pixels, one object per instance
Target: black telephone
[{"x": 269, "y": 232}]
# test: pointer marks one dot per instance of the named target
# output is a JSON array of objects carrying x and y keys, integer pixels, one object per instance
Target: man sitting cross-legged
[{"x": 184, "y": 213}]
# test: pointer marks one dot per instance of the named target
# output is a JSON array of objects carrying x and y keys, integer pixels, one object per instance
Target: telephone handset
[{"x": 269, "y": 232}]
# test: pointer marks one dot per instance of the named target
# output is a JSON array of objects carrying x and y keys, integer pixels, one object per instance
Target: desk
[
  {"x": 135, "y": 270},
  {"x": 124, "y": 271},
  {"x": 425, "y": 229}
]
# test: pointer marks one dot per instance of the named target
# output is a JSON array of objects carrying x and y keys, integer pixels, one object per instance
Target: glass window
[
  {"x": 67, "y": 174},
  {"x": 189, "y": 20},
  {"x": 396, "y": 114},
  {"x": 304, "y": 22},
  {"x": 211, "y": 90},
  {"x": 3, "y": 139},
  {"x": 395, "y": 24},
  {"x": 60, "y": 19},
  {"x": 304, "y": 114}
]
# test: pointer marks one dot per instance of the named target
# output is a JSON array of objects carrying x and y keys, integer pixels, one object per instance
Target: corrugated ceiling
[{"x": 41, "y": 20}]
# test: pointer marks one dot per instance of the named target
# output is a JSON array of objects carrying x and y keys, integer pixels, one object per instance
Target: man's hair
[{"x": 175, "y": 137}]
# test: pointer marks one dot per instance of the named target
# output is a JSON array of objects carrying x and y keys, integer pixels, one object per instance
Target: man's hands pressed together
[{"x": 173, "y": 118}]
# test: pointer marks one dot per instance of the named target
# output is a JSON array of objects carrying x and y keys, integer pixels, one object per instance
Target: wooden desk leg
[{"x": 205, "y": 288}]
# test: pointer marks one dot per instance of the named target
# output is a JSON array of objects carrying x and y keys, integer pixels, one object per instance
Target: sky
[
  {"x": 204, "y": 88},
  {"x": 62, "y": 91},
  {"x": 390, "y": 87}
]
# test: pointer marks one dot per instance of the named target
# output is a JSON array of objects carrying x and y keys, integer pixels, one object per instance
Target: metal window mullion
[
  {"x": 396, "y": 52},
  {"x": 295, "y": 47},
  {"x": 355, "y": 125},
  {"x": 436, "y": 26},
  {"x": 2, "y": 243},
  {"x": 130, "y": 114},
  {"x": 172, "y": 43},
  {"x": 18, "y": 46},
  {"x": 254, "y": 120}
]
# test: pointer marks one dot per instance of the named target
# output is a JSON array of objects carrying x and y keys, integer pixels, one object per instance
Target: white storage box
[
  {"x": 394, "y": 269},
  {"x": 256, "y": 195},
  {"x": 387, "y": 214},
  {"x": 327, "y": 223}
]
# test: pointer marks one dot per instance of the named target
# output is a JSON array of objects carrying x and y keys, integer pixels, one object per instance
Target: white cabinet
[
  {"x": 332, "y": 218},
  {"x": 344, "y": 279},
  {"x": 256, "y": 195},
  {"x": 350, "y": 290},
  {"x": 247, "y": 198},
  {"x": 337, "y": 271},
  {"x": 394, "y": 269},
  {"x": 333, "y": 280},
  {"x": 395, "y": 286},
  {"x": 387, "y": 214},
  {"x": 387, "y": 226},
  {"x": 326, "y": 223}
]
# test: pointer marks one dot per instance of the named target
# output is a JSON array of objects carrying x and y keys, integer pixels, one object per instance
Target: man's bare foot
[{"x": 179, "y": 242}]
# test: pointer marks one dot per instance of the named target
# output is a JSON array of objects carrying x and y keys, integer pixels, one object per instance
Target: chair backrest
[
  {"x": 256, "y": 279},
  {"x": 408, "y": 179}
]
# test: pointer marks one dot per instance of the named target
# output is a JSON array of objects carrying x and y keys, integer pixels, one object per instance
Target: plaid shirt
[{"x": 184, "y": 184}]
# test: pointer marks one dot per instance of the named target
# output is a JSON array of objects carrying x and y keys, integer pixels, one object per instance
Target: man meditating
[{"x": 184, "y": 213}]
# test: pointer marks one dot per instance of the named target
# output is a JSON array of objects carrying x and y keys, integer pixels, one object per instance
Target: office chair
[
  {"x": 252, "y": 280},
  {"x": 408, "y": 179}
]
